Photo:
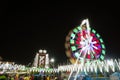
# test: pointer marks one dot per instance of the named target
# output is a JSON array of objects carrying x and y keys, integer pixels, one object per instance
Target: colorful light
[{"x": 85, "y": 43}]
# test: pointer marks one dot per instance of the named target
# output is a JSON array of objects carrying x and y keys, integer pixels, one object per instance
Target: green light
[
  {"x": 77, "y": 54},
  {"x": 101, "y": 40},
  {"x": 102, "y": 57},
  {"x": 98, "y": 60},
  {"x": 82, "y": 60},
  {"x": 88, "y": 62},
  {"x": 92, "y": 56},
  {"x": 97, "y": 35},
  {"x": 75, "y": 30},
  {"x": 103, "y": 46},
  {"x": 72, "y": 35},
  {"x": 79, "y": 28},
  {"x": 72, "y": 41},
  {"x": 103, "y": 51},
  {"x": 93, "y": 31},
  {"x": 73, "y": 48}
]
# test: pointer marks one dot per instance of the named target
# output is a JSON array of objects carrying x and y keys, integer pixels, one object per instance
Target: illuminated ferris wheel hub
[{"x": 84, "y": 42}]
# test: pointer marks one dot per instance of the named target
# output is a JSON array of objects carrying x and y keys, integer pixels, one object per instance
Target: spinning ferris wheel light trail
[{"x": 85, "y": 44}]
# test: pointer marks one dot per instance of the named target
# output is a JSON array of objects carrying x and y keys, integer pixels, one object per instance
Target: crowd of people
[{"x": 28, "y": 77}]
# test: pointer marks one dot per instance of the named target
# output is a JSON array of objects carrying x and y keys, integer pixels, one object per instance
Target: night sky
[{"x": 26, "y": 27}]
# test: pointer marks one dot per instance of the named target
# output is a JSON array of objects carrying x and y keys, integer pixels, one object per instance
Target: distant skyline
[{"x": 28, "y": 27}]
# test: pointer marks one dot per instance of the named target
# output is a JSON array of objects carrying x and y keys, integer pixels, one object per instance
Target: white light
[
  {"x": 93, "y": 66},
  {"x": 40, "y": 51},
  {"x": 47, "y": 61},
  {"x": 44, "y": 51},
  {"x": 52, "y": 60},
  {"x": 109, "y": 62}
]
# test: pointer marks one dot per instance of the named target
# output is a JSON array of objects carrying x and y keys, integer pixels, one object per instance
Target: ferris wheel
[{"x": 85, "y": 43}]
